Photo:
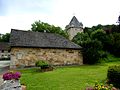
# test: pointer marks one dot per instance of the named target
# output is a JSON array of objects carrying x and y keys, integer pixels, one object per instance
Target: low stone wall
[{"x": 28, "y": 56}]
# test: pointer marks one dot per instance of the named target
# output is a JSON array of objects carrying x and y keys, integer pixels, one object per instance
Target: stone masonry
[
  {"x": 73, "y": 32},
  {"x": 28, "y": 56}
]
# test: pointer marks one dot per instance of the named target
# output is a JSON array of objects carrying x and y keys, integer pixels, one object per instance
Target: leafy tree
[
  {"x": 45, "y": 27},
  {"x": 91, "y": 48},
  {"x": 80, "y": 38},
  {"x": 116, "y": 44},
  {"x": 101, "y": 35},
  {"x": 5, "y": 37},
  {"x": 91, "y": 51},
  {"x": 98, "y": 34}
]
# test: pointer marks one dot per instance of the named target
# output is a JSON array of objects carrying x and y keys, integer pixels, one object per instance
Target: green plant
[
  {"x": 113, "y": 75},
  {"x": 99, "y": 86},
  {"x": 42, "y": 64}
]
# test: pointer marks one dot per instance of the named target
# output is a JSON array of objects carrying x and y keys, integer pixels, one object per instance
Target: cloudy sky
[{"x": 20, "y": 14}]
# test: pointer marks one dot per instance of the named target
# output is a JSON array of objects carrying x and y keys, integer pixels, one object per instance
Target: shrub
[
  {"x": 42, "y": 64},
  {"x": 113, "y": 75},
  {"x": 91, "y": 54}
]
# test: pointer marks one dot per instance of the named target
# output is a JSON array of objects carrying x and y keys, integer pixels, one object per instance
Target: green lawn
[{"x": 65, "y": 78}]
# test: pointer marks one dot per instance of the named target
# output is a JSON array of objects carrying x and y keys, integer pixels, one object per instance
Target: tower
[{"x": 74, "y": 27}]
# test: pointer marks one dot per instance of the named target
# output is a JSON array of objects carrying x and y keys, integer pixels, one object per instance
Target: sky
[{"x": 20, "y": 14}]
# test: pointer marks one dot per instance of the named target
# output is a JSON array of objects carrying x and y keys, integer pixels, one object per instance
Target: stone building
[
  {"x": 27, "y": 47},
  {"x": 74, "y": 27},
  {"x": 4, "y": 50}
]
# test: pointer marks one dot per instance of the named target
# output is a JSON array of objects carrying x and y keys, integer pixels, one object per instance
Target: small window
[{"x": 19, "y": 55}]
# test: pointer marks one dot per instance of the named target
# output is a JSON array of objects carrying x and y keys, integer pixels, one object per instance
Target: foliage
[
  {"x": 5, "y": 37},
  {"x": 110, "y": 42},
  {"x": 80, "y": 38},
  {"x": 39, "y": 26},
  {"x": 107, "y": 28},
  {"x": 116, "y": 45},
  {"x": 99, "y": 86},
  {"x": 11, "y": 75},
  {"x": 91, "y": 52},
  {"x": 98, "y": 34},
  {"x": 113, "y": 75},
  {"x": 109, "y": 37},
  {"x": 91, "y": 48},
  {"x": 42, "y": 64},
  {"x": 106, "y": 40}
]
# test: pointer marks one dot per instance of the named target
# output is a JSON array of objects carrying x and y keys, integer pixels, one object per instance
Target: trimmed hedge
[{"x": 113, "y": 75}]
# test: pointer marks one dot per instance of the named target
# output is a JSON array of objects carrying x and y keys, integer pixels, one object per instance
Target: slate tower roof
[
  {"x": 74, "y": 23},
  {"x": 40, "y": 39}
]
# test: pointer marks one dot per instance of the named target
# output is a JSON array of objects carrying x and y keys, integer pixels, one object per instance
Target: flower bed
[
  {"x": 12, "y": 82},
  {"x": 99, "y": 86}
]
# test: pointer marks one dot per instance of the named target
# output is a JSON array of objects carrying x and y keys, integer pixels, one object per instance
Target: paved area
[
  {"x": 4, "y": 66},
  {"x": 1, "y": 80},
  {"x": 4, "y": 63}
]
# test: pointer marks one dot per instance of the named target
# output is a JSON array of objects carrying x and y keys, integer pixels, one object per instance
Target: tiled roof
[{"x": 40, "y": 39}]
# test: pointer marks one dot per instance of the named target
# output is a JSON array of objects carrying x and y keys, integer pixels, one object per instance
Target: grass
[{"x": 65, "y": 78}]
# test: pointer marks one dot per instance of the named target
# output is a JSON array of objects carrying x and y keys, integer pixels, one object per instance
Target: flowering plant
[
  {"x": 99, "y": 86},
  {"x": 11, "y": 75}
]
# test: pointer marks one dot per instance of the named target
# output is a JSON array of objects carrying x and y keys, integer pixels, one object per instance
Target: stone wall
[
  {"x": 73, "y": 31},
  {"x": 28, "y": 56}
]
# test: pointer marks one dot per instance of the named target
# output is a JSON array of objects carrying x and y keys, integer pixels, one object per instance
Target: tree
[
  {"x": 116, "y": 44},
  {"x": 98, "y": 34},
  {"x": 80, "y": 38},
  {"x": 5, "y": 37},
  {"x": 91, "y": 51},
  {"x": 91, "y": 48},
  {"x": 45, "y": 27}
]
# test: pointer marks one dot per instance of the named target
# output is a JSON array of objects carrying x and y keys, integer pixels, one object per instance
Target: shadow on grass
[{"x": 30, "y": 70}]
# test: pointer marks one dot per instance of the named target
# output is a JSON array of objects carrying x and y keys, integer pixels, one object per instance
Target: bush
[
  {"x": 91, "y": 51},
  {"x": 42, "y": 64},
  {"x": 113, "y": 75}
]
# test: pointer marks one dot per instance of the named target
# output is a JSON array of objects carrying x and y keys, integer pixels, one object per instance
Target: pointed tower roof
[{"x": 74, "y": 23}]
